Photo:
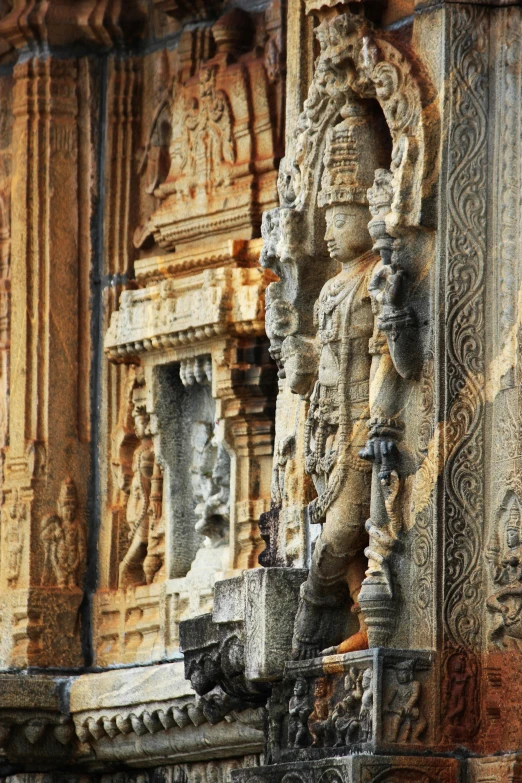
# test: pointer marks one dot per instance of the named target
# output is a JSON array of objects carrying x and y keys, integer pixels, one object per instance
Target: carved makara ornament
[{"x": 64, "y": 542}]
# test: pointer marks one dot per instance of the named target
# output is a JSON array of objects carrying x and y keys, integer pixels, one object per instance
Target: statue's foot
[
  {"x": 359, "y": 641},
  {"x": 304, "y": 651}
]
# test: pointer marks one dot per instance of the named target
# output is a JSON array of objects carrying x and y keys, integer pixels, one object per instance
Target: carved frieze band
[{"x": 464, "y": 322}]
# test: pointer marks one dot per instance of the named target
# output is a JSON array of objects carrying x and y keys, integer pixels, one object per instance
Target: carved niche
[
  {"x": 189, "y": 332},
  {"x": 216, "y": 134},
  {"x": 361, "y": 168}
]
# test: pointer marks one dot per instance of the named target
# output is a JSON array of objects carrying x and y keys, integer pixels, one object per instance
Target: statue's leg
[
  {"x": 131, "y": 567},
  {"x": 337, "y": 563}
]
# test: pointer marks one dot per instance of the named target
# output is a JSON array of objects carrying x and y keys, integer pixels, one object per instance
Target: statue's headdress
[
  {"x": 67, "y": 491},
  {"x": 405, "y": 666},
  {"x": 139, "y": 401},
  {"x": 355, "y": 148},
  {"x": 513, "y": 522}
]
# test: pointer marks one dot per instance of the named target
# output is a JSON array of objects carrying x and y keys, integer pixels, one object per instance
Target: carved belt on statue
[{"x": 359, "y": 391}]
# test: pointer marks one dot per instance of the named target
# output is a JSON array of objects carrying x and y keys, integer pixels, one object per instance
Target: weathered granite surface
[{"x": 260, "y": 444}]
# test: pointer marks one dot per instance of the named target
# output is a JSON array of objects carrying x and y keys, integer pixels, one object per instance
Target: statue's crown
[
  {"x": 514, "y": 518},
  {"x": 67, "y": 491},
  {"x": 354, "y": 149}
]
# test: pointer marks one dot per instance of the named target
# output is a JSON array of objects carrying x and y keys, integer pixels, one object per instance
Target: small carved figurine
[
  {"x": 14, "y": 537},
  {"x": 155, "y": 160},
  {"x": 320, "y": 720},
  {"x": 210, "y": 484},
  {"x": 506, "y": 602},
  {"x": 139, "y": 491},
  {"x": 345, "y": 716},
  {"x": 63, "y": 539},
  {"x": 406, "y": 723},
  {"x": 459, "y": 702},
  {"x": 299, "y": 711},
  {"x": 155, "y": 560},
  {"x": 366, "y": 711}
]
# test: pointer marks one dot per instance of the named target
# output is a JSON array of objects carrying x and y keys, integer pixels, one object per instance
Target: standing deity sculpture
[
  {"x": 348, "y": 393},
  {"x": 63, "y": 539},
  {"x": 14, "y": 517},
  {"x": 139, "y": 490}
]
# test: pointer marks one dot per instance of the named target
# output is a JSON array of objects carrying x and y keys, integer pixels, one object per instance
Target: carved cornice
[
  {"x": 128, "y": 716},
  {"x": 228, "y": 253},
  {"x": 215, "y": 302},
  {"x": 134, "y": 714},
  {"x": 98, "y": 22},
  {"x": 33, "y": 724}
]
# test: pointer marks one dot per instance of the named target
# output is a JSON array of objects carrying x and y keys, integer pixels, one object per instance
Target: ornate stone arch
[{"x": 358, "y": 61}]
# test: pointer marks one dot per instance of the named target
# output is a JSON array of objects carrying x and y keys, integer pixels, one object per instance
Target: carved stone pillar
[{"x": 47, "y": 459}]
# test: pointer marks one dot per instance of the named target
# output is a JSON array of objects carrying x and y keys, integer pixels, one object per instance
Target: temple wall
[{"x": 261, "y": 505}]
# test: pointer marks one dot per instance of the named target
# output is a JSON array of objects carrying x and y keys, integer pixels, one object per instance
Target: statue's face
[
  {"x": 404, "y": 676},
  {"x": 367, "y": 678},
  {"x": 141, "y": 422},
  {"x": 459, "y": 666},
  {"x": 347, "y": 234},
  {"x": 513, "y": 538},
  {"x": 300, "y": 688},
  {"x": 69, "y": 510},
  {"x": 320, "y": 689}
]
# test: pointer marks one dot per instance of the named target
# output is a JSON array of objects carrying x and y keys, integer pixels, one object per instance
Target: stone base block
[
  {"x": 376, "y": 700},
  {"x": 357, "y": 769},
  {"x": 41, "y": 627},
  {"x": 495, "y": 769}
]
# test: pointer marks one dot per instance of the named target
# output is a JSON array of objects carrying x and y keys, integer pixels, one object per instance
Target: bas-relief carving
[
  {"x": 216, "y": 131},
  {"x": 143, "y": 512},
  {"x": 403, "y": 715},
  {"x": 63, "y": 541},
  {"x": 14, "y": 514},
  {"x": 460, "y": 695},
  {"x": 356, "y": 702},
  {"x": 210, "y": 483},
  {"x": 505, "y": 560},
  {"x": 465, "y": 325}
]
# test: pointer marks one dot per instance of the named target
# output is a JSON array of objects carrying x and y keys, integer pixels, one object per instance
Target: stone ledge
[{"x": 356, "y": 769}]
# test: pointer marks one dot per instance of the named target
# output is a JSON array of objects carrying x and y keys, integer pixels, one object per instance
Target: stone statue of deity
[
  {"x": 63, "y": 539},
  {"x": 348, "y": 424},
  {"x": 139, "y": 492}
]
